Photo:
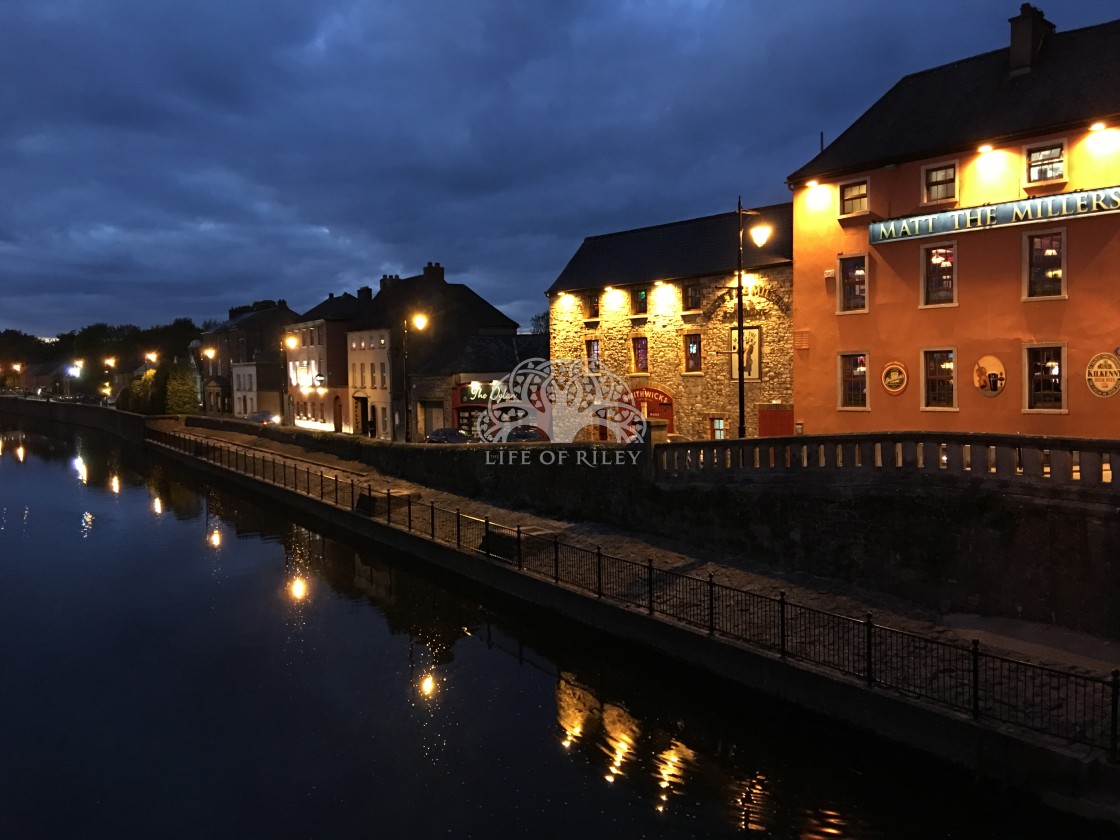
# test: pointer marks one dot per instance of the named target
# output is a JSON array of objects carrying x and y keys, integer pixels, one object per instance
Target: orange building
[{"x": 957, "y": 249}]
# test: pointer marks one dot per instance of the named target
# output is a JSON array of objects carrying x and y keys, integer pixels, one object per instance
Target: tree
[
  {"x": 538, "y": 324},
  {"x": 182, "y": 389}
]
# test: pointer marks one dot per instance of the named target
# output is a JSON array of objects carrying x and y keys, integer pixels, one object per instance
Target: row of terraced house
[{"x": 948, "y": 263}]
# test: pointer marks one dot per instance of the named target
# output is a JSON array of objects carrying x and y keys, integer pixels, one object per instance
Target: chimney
[
  {"x": 433, "y": 271},
  {"x": 388, "y": 280},
  {"x": 1028, "y": 30},
  {"x": 365, "y": 293},
  {"x": 330, "y": 295}
]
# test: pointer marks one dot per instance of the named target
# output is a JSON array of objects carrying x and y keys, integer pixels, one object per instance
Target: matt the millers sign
[{"x": 1024, "y": 211}]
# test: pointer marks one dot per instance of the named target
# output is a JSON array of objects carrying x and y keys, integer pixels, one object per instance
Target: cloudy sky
[{"x": 163, "y": 159}]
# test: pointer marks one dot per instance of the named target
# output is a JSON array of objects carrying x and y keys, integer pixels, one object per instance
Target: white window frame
[
  {"x": 840, "y": 198},
  {"x": 840, "y": 283},
  {"x": 1026, "y": 379},
  {"x": 926, "y": 247},
  {"x": 926, "y": 200},
  {"x": 840, "y": 381},
  {"x": 1026, "y": 295},
  {"x": 941, "y": 348},
  {"x": 1043, "y": 144}
]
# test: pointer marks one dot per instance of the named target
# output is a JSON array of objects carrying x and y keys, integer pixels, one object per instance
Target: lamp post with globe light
[
  {"x": 760, "y": 234},
  {"x": 419, "y": 322}
]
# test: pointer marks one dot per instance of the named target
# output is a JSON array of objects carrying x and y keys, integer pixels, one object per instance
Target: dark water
[{"x": 178, "y": 661}]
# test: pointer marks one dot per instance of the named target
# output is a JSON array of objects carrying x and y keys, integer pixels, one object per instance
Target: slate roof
[
  {"x": 679, "y": 250},
  {"x": 440, "y": 301},
  {"x": 486, "y": 354},
  {"x": 344, "y": 307},
  {"x": 1075, "y": 80}
]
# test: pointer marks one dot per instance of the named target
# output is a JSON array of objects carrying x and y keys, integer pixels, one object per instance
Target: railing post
[
  {"x": 336, "y": 490},
  {"x": 1112, "y": 751},
  {"x": 432, "y": 513},
  {"x": 458, "y": 530},
  {"x": 868, "y": 649},
  {"x": 520, "y": 563},
  {"x": 598, "y": 571},
  {"x": 408, "y": 505},
  {"x": 320, "y": 485},
  {"x": 555, "y": 558},
  {"x": 975, "y": 653},
  {"x": 782, "y": 622},
  {"x": 649, "y": 584},
  {"x": 486, "y": 535},
  {"x": 711, "y": 605},
  {"x": 388, "y": 503},
  {"x": 354, "y": 499}
]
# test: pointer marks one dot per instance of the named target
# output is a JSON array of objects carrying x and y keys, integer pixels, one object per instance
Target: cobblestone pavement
[{"x": 1023, "y": 640}]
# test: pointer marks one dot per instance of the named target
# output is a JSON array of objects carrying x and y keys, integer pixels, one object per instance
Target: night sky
[{"x": 173, "y": 159}]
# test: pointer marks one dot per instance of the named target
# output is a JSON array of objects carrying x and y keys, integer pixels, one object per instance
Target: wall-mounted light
[
  {"x": 1097, "y": 126},
  {"x": 987, "y": 147}
]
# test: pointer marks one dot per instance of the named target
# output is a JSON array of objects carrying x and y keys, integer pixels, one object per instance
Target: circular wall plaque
[
  {"x": 1102, "y": 374},
  {"x": 989, "y": 376},
  {"x": 895, "y": 377}
]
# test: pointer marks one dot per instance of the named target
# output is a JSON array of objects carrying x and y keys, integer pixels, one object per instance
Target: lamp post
[
  {"x": 419, "y": 321},
  {"x": 289, "y": 344},
  {"x": 759, "y": 234}
]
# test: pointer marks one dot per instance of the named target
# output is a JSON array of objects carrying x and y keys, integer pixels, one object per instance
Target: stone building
[{"x": 658, "y": 306}]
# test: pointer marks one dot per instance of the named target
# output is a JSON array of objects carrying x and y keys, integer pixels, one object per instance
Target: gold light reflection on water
[
  {"x": 87, "y": 524},
  {"x": 752, "y": 803},
  {"x": 428, "y": 686},
  {"x": 82, "y": 470},
  {"x": 20, "y": 453},
  {"x": 298, "y": 589},
  {"x": 574, "y": 706},
  {"x": 157, "y": 506},
  {"x": 622, "y": 733},
  {"x": 215, "y": 538},
  {"x": 824, "y": 824},
  {"x": 115, "y": 484}
]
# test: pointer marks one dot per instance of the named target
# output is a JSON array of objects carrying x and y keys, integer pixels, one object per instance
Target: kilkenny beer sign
[{"x": 1022, "y": 212}]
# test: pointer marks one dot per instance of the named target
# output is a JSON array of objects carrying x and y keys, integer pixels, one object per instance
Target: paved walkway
[{"x": 1029, "y": 641}]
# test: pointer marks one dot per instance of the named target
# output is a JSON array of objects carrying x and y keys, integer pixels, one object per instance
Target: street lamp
[
  {"x": 419, "y": 321},
  {"x": 759, "y": 235}
]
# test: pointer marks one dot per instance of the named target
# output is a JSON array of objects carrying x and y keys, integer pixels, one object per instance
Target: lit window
[
  {"x": 719, "y": 429},
  {"x": 591, "y": 306},
  {"x": 592, "y": 346},
  {"x": 641, "y": 354},
  {"x": 853, "y": 380},
  {"x": 939, "y": 371},
  {"x": 383, "y": 378},
  {"x": 639, "y": 301},
  {"x": 692, "y": 296},
  {"x": 853, "y": 198},
  {"x": 1046, "y": 163},
  {"x": 1045, "y": 276},
  {"x": 363, "y": 371},
  {"x": 939, "y": 273},
  {"x": 852, "y": 291},
  {"x": 1044, "y": 371},
  {"x": 940, "y": 182},
  {"x": 693, "y": 357}
]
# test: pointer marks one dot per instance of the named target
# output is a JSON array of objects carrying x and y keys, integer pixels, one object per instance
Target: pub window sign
[{"x": 484, "y": 392}]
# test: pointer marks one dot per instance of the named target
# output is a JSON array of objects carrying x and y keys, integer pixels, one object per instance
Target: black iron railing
[{"x": 1065, "y": 703}]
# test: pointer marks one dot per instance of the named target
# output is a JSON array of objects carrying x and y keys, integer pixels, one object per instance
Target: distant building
[
  {"x": 658, "y": 306},
  {"x": 379, "y": 341},
  {"x": 955, "y": 249},
  {"x": 249, "y": 340}
]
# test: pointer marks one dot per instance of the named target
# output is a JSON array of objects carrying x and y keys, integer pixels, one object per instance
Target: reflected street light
[
  {"x": 419, "y": 321},
  {"x": 759, "y": 235}
]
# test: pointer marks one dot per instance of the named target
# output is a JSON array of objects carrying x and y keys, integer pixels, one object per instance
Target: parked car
[
  {"x": 449, "y": 436},
  {"x": 527, "y": 434},
  {"x": 263, "y": 418}
]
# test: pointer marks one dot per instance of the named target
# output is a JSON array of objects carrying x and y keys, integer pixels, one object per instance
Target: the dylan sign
[{"x": 1024, "y": 211}]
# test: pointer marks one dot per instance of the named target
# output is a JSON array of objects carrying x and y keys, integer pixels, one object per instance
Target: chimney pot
[{"x": 1028, "y": 32}]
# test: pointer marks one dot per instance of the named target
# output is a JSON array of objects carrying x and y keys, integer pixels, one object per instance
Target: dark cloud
[{"x": 163, "y": 159}]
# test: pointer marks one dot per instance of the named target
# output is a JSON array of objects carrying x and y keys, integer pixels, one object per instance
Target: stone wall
[
  {"x": 35, "y": 416},
  {"x": 697, "y": 398}
]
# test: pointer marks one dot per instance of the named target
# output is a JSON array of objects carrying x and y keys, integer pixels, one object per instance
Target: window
[
  {"x": 363, "y": 369},
  {"x": 383, "y": 382},
  {"x": 853, "y": 198},
  {"x": 1045, "y": 257},
  {"x": 1044, "y": 367},
  {"x": 592, "y": 347},
  {"x": 639, "y": 301},
  {"x": 938, "y": 369},
  {"x": 353, "y": 374},
  {"x": 939, "y": 274},
  {"x": 693, "y": 358},
  {"x": 940, "y": 182},
  {"x": 384, "y": 419},
  {"x": 852, "y": 290},
  {"x": 641, "y": 354},
  {"x": 853, "y": 380},
  {"x": 591, "y": 306},
  {"x": 692, "y": 295},
  {"x": 1046, "y": 163},
  {"x": 718, "y": 429}
]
